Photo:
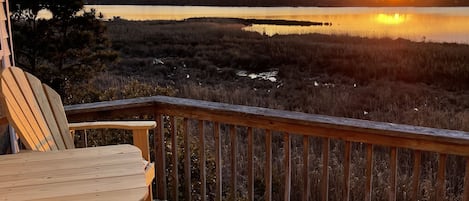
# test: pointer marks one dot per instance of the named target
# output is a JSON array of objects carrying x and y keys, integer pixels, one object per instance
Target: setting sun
[{"x": 391, "y": 19}]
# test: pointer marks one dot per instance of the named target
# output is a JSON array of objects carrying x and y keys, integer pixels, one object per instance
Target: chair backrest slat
[
  {"x": 21, "y": 109},
  {"x": 55, "y": 103},
  {"x": 30, "y": 109},
  {"x": 17, "y": 115},
  {"x": 47, "y": 113},
  {"x": 38, "y": 119}
]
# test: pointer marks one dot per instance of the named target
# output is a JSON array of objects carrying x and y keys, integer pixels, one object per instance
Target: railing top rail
[{"x": 271, "y": 118}]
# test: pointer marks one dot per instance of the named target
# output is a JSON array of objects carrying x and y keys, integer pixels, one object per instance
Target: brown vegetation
[{"x": 387, "y": 80}]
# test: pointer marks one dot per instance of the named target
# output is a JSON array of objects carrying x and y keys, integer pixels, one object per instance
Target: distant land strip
[
  {"x": 259, "y": 21},
  {"x": 270, "y": 3}
]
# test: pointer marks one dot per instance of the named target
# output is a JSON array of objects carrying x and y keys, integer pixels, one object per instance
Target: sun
[{"x": 391, "y": 19}]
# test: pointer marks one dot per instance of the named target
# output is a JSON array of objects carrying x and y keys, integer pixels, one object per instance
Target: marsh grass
[{"x": 398, "y": 81}]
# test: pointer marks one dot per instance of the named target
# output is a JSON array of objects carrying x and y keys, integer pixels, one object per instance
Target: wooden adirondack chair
[{"x": 36, "y": 113}]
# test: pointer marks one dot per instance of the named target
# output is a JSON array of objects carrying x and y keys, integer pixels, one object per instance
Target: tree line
[{"x": 69, "y": 47}]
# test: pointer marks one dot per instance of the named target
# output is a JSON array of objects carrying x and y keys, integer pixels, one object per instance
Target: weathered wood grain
[
  {"x": 369, "y": 172},
  {"x": 393, "y": 176},
  {"x": 218, "y": 162},
  {"x": 203, "y": 177},
  {"x": 250, "y": 165},
  {"x": 287, "y": 166},
  {"x": 325, "y": 170},
  {"x": 234, "y": 162},
  {"x": 378, "y": 133},
  {"x": 268, "y": 165},
  {"x": 416, "y": 175},
  {"x": 306, "y": 182},
  {"x": 440, "y": 179},
  {"x": 160, "y": 157},
  {"x": 174, "y": 159},
  {"x": 187, "y": 160},
  {"x": 350, "y": 130},
  {"x": 347, "y": 161},
  {"x": 466, "y": 182}
]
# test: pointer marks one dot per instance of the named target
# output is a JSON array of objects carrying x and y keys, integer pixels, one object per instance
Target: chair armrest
[
  {"x": 127, "y": 125},
  {"x": 139, "y": 131}
]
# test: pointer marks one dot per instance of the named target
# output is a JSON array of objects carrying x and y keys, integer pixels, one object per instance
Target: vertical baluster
[
  {"x": 174, "y": 158},
  {"x": 369, "y": 172},
  {"x": 347, "y": 157},
  {"x": 416, "y": 175},
  {"x": 160, "y": 158},
  {"x": 234, "y": 151},
  {"x": 466, "y": 182},
  {"x": 218, "y": 164},
  {"x": 250, "y": 165},
  {"x": 393, "y": 176},
  {"x": 287, "y": 164},
  {"x": 85, "y": 138},
  {"x": 268, "y": 165},
  {"x": 325, "y": 169},
  {"x": 203, "y": 179},
  {"x": 306, "y": 186},
  {"x": 440, "y": 182},
  {"x": 187, "y": 160}
]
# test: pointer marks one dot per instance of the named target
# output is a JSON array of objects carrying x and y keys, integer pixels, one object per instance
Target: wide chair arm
[
  {"x": 140, "y": 136},
  {"x": 139, "y": 131},
  {"x": 128, "y": 125}
]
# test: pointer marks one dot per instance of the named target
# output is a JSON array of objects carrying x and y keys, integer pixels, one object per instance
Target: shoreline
[{"x": 248, "y": 22}]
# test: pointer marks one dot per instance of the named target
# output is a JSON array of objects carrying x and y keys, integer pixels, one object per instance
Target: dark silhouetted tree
[{"x": 66, "y": 48}]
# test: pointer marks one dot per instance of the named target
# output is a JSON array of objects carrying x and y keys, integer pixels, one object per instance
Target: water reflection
[
  {"x": 391, "y": 19},
  {"x": 432, "y": 24},
  {"x": 411, "y": 25}
]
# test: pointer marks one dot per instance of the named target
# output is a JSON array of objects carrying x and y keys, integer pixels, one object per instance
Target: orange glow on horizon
[{"x": 391, "y": 19}]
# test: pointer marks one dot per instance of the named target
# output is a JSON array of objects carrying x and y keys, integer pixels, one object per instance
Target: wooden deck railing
[{"x": 233, "y": 124}]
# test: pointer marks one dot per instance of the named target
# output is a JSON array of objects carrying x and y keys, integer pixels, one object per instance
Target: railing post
[
  {"x": 440, "y": 182},
  {"x": 174, "y": 147},
  {"x": 218, "y": 162},
  {"x": 306, "y": 186},
  {"x": 287, "y": 164},
  {"x": 347, "y": 157},
  {"x": 234, "y": 162},
  {"x": 203, "y": 177},
  {"x": 187, "y": 160},
  {"x": 250, "y": 165},
  {"x": 325, "y": 169},
  {"x": 160, "y": 158},
  {"x": 268, "y": 165},
  {"x": 393, "y": 176},
  {"x": 369, "y": 172},
  {"x": 466, "y": 182},
  {"x": 416, "y": 175}
]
